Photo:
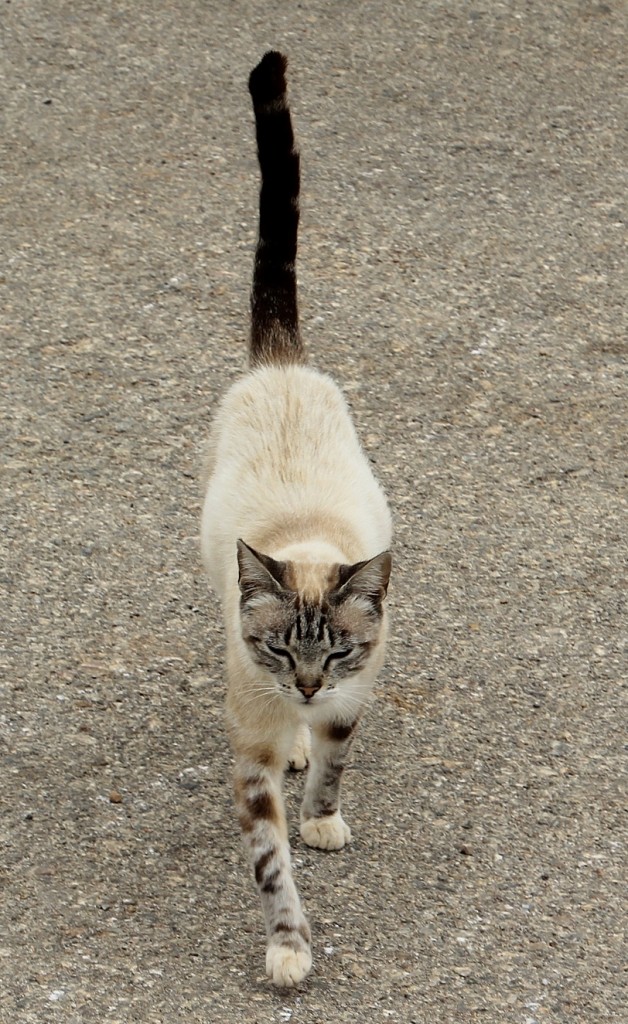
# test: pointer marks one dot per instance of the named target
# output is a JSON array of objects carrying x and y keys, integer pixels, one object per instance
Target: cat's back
[
  {"x": 283, "y": 448},
  {"x": 279, "y": 415},
  {"x": 284, "y": 444}
]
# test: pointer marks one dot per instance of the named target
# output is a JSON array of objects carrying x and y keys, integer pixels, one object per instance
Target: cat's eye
[
  {"x": 281, "y": 652},
  {"x": 336, "y": 656}
]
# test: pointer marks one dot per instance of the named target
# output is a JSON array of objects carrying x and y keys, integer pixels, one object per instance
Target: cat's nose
[{"x": 311, "y": 688}]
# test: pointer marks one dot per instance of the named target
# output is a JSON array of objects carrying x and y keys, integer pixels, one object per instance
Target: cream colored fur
[{"x": 286, "y": 473}]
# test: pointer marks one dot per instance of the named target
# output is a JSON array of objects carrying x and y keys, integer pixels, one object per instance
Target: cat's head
[{"x": 312, "y": 627}]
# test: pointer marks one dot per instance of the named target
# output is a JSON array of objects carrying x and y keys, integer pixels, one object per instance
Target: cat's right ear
[{"x": 260, "y": 574}]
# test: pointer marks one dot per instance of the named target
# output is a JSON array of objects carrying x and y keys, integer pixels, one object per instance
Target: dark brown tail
[{"x": 275, "y": 334}]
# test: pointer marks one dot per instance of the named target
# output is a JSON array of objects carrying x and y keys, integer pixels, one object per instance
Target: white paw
[
  {"x": 300, "y": 753},
  {"x": 328, "y": 833},
  {"x": 287, "y": 967}
]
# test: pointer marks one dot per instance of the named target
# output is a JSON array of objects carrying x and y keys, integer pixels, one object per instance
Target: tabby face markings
[{"x": 308, "y": 646}]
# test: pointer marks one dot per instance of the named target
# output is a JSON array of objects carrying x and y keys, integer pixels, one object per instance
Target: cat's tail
[{"x": 275, "y": 336}]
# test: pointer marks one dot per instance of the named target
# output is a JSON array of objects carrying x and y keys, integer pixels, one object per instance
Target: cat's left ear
[
  {"x": 366, "y": 579},
  {"x": 259, "y": 574}
]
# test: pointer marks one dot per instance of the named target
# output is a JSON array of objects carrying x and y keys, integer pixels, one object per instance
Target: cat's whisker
[
  {"x": 350, "y": 704},
  {"x": 259, "y": 698}
]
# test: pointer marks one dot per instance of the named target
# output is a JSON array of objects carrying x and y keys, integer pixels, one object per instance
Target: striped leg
[
  {"x": 262, "y": 818},
  {"x": 322, "y": 824}
]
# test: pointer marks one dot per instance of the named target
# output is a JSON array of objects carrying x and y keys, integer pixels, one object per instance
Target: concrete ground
[{"x": 462, "y": 273}]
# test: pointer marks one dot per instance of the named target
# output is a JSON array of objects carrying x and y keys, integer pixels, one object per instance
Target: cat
[{"x": 295, "y": 539}]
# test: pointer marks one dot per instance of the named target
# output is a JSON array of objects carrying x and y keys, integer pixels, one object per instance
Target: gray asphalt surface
[{"x": 462, "y": 273}]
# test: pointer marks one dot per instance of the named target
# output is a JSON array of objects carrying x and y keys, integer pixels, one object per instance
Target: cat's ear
[
  {"x": 259, "y": 574},
  {"x": 365, "y": 579}
]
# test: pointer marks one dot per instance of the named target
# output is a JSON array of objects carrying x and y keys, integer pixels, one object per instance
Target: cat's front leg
[
  {"x": 300, "y": 752},
  {"x": 262, "y": 818},
  {"x": 322, "y": 824}
]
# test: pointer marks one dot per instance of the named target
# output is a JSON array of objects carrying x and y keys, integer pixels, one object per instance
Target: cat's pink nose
[{"x": 309, "y": 691}]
